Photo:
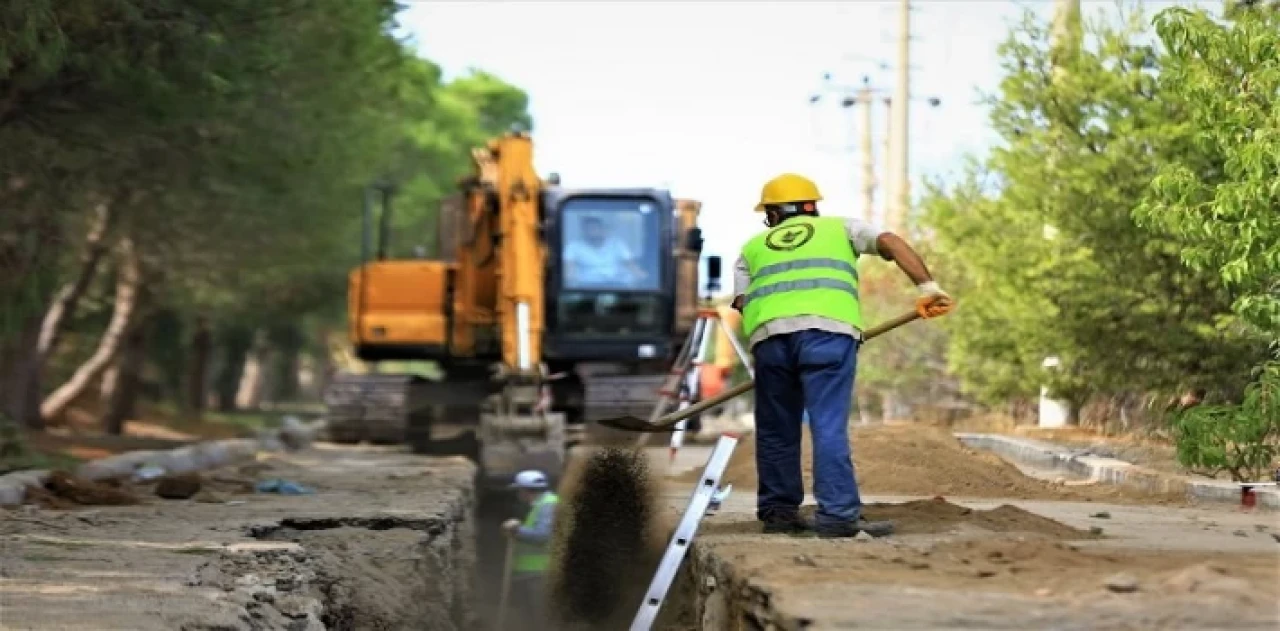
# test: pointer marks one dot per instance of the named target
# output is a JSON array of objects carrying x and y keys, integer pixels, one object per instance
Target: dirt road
[
  {"x": 991, "y": 563},
  {"x": 388, "y": 541}
]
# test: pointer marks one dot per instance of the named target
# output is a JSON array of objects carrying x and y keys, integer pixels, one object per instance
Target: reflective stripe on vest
[
  {"x": 797, "y": 285},
  {"x": 805, "y": 266},
  {"x": 778, "y": 268},
  {"x": 533, "y": 557}
]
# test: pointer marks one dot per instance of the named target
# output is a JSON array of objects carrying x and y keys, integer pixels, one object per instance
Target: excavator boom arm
[{"x": 522, "y": 255}]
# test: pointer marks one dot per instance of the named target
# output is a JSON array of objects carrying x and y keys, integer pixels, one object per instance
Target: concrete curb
[
  {"x": 1112, "y": 471},
  {"x": 201, "y": 456}
]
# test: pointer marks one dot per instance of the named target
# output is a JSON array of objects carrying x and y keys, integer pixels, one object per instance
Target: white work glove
[
  {"x": 933, "y": 302},
  {"x": 510, "y": 527}
]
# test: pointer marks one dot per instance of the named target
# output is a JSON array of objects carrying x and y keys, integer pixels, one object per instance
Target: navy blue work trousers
[{"x": 807, "y": 371}]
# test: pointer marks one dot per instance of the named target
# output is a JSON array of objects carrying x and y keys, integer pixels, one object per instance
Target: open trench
[
  {"x": 349, "y": 573},
  {"x": 393, "y": 541},
  {"x": 415, "y": 547}
]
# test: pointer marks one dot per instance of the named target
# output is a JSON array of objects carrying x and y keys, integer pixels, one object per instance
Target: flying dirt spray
[{"x": 608, "y": 540}]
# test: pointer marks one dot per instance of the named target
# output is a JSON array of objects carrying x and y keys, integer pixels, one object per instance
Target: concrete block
[{"x": 1046, "y": 455}]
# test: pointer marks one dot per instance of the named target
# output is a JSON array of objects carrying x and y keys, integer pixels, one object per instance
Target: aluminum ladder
[{"x": 708, "y": 486}]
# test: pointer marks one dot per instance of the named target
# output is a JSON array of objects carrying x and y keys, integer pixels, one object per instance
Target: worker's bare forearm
[
  {"x": 893, "y": 248},
  {"x": 737, "y": 302}
]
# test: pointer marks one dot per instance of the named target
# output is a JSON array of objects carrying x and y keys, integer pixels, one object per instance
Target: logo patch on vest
[{"x": 787, "y": 238}]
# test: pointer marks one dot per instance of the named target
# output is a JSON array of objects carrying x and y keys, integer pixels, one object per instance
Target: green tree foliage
[
  {"x": 435, "y": 150},
  {"x": 229, "y": 141},
  {"x": 1228, "y": 77},
  {"x": 1041, "y": 244}
]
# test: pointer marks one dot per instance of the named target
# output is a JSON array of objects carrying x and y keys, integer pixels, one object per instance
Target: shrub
[{"x": 1242, "y": 440}]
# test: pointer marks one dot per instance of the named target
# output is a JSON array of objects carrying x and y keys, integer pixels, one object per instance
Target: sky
[{"x": 710, "y": 99}]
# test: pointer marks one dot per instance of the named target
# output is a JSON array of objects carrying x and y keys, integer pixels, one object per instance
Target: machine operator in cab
[
  {"x": 598, "y": 258},
  {"x": 796, "y": 285}
]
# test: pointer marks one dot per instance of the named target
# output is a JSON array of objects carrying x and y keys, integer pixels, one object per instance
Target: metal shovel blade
[
  {"x": 635, "y": 424},
  {"x": 667, "y": 424}
]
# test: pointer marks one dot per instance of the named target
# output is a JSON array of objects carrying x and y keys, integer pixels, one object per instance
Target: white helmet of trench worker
[{"x": 530, "y": 480}]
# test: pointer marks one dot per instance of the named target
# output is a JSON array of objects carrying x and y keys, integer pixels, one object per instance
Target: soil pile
[
  {"x": 938, "y": 516},
  {"x": 607, "y": 542},
  {"x": 933, "y": 516},
  {"x": 62, "y": 490},
  {"x": 915, "y": 460}
]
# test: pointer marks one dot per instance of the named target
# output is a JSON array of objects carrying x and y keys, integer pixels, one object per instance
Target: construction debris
[
  {"x": 1122, "y": 583},
  {"x": 75, "y": 490},
  {"x": 178, "y": 487}
]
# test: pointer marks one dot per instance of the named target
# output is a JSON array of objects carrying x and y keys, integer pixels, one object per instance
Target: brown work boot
[{"x": 784, "y": 522}]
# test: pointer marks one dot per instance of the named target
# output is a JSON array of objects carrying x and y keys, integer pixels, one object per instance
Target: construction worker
[
  {"x": 796, "y": 285},
  {"x": 532, "y": 555}
]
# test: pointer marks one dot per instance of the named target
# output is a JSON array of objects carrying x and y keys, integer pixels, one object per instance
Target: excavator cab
[{"x": 610, "y": 274}]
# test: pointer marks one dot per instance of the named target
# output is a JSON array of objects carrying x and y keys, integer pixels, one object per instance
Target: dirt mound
[
  {"x": 1206, "y": 578},
  {"x": 62, "y": 490},
  {"x": 932, "y": 516},
  {"x": 939, "y": 516},
  {"x": 607, "y": 541},
  {"x": 913, "y": 460}
]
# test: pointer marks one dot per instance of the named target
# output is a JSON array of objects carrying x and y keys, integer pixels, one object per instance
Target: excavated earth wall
[{"x": 386, "y": 542}]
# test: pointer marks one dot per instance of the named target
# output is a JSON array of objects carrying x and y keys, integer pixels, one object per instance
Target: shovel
[
  {"x": 668, "y": 423},
  {"x": 506, "y": 585}
]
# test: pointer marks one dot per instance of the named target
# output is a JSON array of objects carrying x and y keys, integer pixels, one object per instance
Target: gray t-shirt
[{"x": 862, "y": 235}]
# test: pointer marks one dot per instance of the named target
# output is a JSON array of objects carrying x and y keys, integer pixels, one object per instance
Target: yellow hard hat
[{"x": 787, "y": 188}]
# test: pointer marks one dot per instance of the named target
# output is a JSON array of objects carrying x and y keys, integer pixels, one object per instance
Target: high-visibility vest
[
  {"x": 805, "y": 266},
  {"x": 533, "y": 557}
]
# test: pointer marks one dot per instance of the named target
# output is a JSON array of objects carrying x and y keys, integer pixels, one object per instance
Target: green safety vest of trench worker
[{"x": 532, "y": 536}]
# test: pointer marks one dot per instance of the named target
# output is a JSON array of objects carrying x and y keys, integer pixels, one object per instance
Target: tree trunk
[
  {"x": 20, "y": 381},
  {"x": 197, "y": 368},
  {"x": 324, "y": 366},
  {"x": 167, "y": 351},
  {"x": 128, "y": 368},
  {"x": 235, "y": 342},
  {"x": 286, "y": 346},
  {"x": 288, "y": 368},
  {"x": 128, "y": 284},
  {"x": 254, "y": 375},
  {"x": 107, "y": 386},
  {"x": 68, "y": 299},
  {"x": 28, "y": 258}
]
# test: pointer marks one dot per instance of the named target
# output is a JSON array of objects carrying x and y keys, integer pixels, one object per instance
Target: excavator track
[
  {"x": 377, "y": 408},
  {"x": 503, "y": 432}
]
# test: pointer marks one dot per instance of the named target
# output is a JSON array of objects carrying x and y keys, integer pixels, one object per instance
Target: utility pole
[
  {"x": 866, "y": 101},
  {"x": 1065, "y": 37},
  {"x": 1066, "y": 22},
  {"x": 900, "y": 158},
  {"x": 865, "y": 96},
  {"x": 890, "y": 181}
]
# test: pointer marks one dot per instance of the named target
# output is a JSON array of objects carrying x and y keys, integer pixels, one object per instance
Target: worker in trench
[
  {"x": 532, "y": 540},
  {"x": 796, "y": 285}
]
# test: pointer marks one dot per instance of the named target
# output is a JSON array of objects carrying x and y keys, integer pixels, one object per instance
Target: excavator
[{"x": 531, "y": 329}]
